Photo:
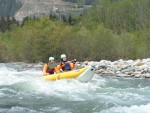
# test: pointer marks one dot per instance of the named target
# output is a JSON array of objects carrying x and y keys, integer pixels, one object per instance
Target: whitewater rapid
[{"x": 22, "y": 90}]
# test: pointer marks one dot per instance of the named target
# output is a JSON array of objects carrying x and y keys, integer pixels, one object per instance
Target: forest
[{"x": 110, "y": 30}]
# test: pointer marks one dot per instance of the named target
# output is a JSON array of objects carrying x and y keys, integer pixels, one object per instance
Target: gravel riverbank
[{"x": 121, "y": 68}]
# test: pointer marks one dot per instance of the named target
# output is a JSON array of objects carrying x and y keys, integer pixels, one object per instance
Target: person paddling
[
  {"x": 66, "y": 65},
  {"x": 50, "y": 67}
]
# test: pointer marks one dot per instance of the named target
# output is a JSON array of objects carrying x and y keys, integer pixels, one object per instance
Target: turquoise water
[{"x": 23, "y": 91}]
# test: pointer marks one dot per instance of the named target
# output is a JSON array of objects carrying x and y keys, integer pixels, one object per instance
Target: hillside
[
  {"x": 110, "y": 29},
  {"x": 37, "y": 8}
]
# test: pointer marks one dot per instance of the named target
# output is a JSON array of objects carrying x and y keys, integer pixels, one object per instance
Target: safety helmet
[
  {"x": 51, "y": 58},
  {"x": 63, "y": 56}
]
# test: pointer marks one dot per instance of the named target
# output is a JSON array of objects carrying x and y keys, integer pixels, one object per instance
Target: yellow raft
[{"x": 84, "y": 74}]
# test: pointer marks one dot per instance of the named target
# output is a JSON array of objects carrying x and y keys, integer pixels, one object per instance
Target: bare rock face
[
  {"x": 33, "y": 1},
  {"x": 38, "y": 8}
]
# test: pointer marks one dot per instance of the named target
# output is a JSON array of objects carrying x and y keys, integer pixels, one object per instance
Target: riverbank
[{"x": 122, "y": 68}]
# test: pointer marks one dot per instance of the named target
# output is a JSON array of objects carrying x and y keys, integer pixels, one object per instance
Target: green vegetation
[{"x": 111, "y": 29}]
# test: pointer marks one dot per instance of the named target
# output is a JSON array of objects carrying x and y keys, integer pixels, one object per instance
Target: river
[{"x": 22, "y": 90}]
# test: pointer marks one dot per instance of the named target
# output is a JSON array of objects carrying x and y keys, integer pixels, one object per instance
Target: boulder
[{"x": 138, "y": 63}]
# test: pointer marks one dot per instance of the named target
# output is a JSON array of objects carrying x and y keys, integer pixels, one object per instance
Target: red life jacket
[{"x": 50, "y": 70}]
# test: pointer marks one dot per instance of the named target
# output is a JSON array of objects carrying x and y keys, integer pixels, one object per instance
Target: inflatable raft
[{"x": 84, "y": 74}]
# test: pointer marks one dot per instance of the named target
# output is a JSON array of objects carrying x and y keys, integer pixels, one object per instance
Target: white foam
[
  {"x": 20, "y": 110},
  {"x": 31, "y": 82},
  {"x": 9, "y": 76},
  {"x": 63, "y": 88},
  {"x": 131, "y": 109}
]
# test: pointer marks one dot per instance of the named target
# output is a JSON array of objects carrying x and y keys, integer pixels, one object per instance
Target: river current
[{"x": 22, "y": 90}]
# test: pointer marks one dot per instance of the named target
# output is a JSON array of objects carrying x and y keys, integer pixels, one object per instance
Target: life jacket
[
  {"x": 50, "y": 71},
  {"x": 50, "y": 68},
  {"x": 66, "y": 67}
]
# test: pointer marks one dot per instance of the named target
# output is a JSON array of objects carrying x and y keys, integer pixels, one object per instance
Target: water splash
[
  {"x": 22, "y": 89},
  {"x": 131, "y": 109}
]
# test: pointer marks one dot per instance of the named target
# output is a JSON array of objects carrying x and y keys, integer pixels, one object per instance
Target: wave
[{"x": 131, "y": 109}]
